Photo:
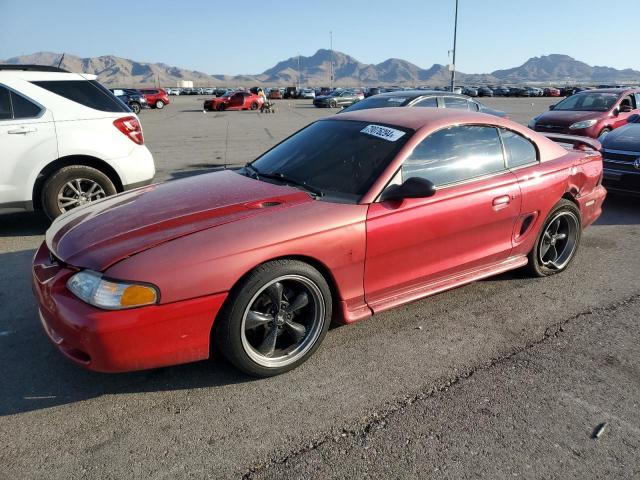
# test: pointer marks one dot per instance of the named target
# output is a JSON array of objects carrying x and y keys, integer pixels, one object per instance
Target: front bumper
[
  {"x": 621, "y": 181},
  {"x": 122, "y": 340}
]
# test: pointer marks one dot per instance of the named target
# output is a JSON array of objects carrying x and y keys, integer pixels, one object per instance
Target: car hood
[
  {"x": 566, "y": 118},
  {"x": 624, "y": 138},
  {"x": 101, "y": 234}
]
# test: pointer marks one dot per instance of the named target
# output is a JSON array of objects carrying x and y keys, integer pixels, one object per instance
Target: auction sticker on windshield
[{"x": 386, "y": 133}]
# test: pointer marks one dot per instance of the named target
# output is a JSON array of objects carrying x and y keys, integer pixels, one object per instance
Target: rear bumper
[
  {"x": 591, "y": 205},
  {"x": 136, "y": 168},
  {"x": 124, "y": 340}
]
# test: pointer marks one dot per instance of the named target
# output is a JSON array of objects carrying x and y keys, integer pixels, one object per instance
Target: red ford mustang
[
  {"x": 352, "y": 215},
  {"x": 235, "y": 101}
]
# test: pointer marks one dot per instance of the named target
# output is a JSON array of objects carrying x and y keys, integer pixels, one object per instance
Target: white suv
[{"x": 65, "y": 140}]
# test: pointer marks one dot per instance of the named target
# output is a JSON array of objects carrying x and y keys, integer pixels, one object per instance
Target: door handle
[
  {"x": 502, "y": 201},
  {"x": 22, "y": 131}
]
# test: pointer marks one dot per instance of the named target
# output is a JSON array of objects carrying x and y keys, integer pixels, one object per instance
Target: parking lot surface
[{"x": 506, "y": 377}]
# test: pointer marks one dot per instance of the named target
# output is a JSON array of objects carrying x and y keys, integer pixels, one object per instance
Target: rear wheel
[
  {"x": 135, "y": 107},
  {"x": 558, "y": 240},
  {"x": 254, "y": 106},
  {"x": 333, "y": 104},
  {"x": 74, "y": 186},
  {"x": 275, "y": 319},
  {"x": 160, "y": 104}
]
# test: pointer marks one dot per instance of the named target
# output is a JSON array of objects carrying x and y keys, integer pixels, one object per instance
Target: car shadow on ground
[
  {"x": 35, "y": 375},
  {"x": 620, "y": 210},
  {"x": 23, "y": 224}
]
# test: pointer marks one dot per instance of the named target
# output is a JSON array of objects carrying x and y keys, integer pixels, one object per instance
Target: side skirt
[{"x": 448, "y": 283}]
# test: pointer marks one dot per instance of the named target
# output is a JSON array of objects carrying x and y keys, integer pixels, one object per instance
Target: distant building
[{"x": 185, "y": 84}]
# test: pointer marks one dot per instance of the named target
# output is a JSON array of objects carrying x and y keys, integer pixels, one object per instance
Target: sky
[{"x": 250, "y": 36}]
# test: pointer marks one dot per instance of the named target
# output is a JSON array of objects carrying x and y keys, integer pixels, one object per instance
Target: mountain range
[{"x": 315, "y": 70}]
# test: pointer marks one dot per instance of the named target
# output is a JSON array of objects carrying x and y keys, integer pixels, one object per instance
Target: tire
[
  {"x": 220, "y": 107},
  {"x": 254, "y": 106},
  {"x": 604, "y": 131},
  {"x": 333, "y": 104},
  {"x": 57, "y": 188},
  {"x": 262, "y": 342},
  {"x": 566, "y": 215},
  {"x": 135, "y": 107},
  {"x": 159, "y": 104}
]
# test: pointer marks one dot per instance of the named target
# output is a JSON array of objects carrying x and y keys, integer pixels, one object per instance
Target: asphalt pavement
[{"x": 503, "y": 378}]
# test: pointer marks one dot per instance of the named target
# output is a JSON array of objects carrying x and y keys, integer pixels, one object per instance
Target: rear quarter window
[{"x": 89, "y": 93}]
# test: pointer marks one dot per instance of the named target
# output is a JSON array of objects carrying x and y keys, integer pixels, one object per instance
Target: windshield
[
  {"x": 339, "y": 158},
  {"x": 588, "y": 102},
  {"x": 380, "y": 102}
]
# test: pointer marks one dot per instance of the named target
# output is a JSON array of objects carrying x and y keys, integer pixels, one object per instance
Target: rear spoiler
[{"x": 579, "y": 143}]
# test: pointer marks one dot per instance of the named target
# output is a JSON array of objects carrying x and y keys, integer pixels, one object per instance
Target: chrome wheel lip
[
  {"x": 561, "y": 235},
  {"x": 310, "y": 339},
  {"x": 77, "y": 192}
]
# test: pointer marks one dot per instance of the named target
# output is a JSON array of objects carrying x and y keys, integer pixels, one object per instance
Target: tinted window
[
  {"x": 428, "y": 102},
  {"x": 5, "y": 104},
  {"x": 23, "y": 108},
  {"x": 85, "y": 92},
  {"x": 591, "y": 102},
  {"x": 456, "y": 154},
  {"x": 337, "y": 157},
  {"x": 379, "y": 102},
  {"x": 456, "y": 102},
  {"x": 519, "y": 150}
]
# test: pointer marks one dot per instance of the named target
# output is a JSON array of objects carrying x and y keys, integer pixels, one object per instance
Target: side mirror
[
  {"x": 635, "y": 118},
  {"x": 413, "y": 187},
  {"x": 551, "y": 107},
  {"x": 625, "y": 108},
  {"x": 615, "y": 112}
]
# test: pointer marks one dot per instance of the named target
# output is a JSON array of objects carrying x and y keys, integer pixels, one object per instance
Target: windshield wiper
[
  {"x": 253, "y": 170},
  {"x": 281, "y": 176}
]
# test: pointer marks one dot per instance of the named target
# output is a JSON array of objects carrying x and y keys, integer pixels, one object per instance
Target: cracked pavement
[{"x": 387, "y": 384}]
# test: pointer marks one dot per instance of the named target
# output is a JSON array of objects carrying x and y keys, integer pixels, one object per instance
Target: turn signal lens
[
  {"x": 135, "y": 295},
  {"x": 90, "y": 287}
]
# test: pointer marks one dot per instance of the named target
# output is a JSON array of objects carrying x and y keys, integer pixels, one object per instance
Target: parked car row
[
  {"x": 138, "y": 99},
  {"x": 612, "y": 115}
]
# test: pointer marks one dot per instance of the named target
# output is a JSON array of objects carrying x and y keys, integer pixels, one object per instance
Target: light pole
[
  {"x": 298, "y": 71},
  {"x": 331, "y": 59},
  {"x": 455, "y": 34}
]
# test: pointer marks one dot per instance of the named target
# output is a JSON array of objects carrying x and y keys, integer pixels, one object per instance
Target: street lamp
[{"x": 455, "y": 34}]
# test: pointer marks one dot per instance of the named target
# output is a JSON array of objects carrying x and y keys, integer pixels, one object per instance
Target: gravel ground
[{"x": 554, "y": 357}]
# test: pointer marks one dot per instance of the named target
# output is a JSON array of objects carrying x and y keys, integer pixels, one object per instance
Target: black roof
[{"x": 32, "y": 68}]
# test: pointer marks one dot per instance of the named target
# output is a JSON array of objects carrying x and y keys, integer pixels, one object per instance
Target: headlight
[
  {"x": 583, "y": 124},
  {"x": 90, "y": 287}
]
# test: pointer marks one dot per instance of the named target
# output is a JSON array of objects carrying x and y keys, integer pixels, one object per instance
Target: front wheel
[
  {"x": 72, "y": 187},
  {"x": 160, "y": 104},
  {"x": 558, "y": 240},
  {"x": 275, "y": 319},
  {"x": 254, "y": 106},
  {"x": 135, "y": 107},
  {"x": 333, "y": 104},
  {"x": 604, "y": 132}
]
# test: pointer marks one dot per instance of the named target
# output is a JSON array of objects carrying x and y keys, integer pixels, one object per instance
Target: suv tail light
[{"x": 130, "y": 126}]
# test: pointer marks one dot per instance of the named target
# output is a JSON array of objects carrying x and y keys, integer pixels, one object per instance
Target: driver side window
[
  {"x": 630, "y": 101},
  {"x": 456, "y": 154}
]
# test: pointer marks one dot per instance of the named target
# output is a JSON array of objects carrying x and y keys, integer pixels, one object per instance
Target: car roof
[
  {"x": 610, "y": 90},
  {"x": 417, "y": 118},
  {"x": 418, "y": 93},
  {"x": 30, "y": 75}
]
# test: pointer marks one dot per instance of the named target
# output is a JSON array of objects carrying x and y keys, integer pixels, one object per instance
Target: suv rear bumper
[{"x": 136, "y": 169}]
